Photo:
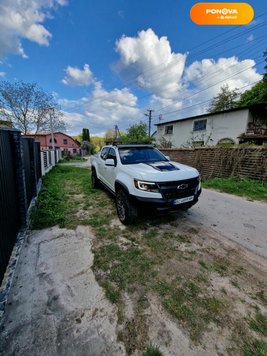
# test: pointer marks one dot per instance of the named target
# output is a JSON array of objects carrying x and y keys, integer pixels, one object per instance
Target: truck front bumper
[{"x": 162, "y": 204}]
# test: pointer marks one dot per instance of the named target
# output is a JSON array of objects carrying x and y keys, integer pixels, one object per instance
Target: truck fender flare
[{"x": 120, "y": 184}]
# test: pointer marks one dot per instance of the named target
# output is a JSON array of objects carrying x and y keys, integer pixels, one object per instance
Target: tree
[
  {"x": 256, "y": 95},
  {"x": 110, "y": 135},
  {"x": 97, "y": 143},
  {"x": 29, "y": 107},
  {"x": 226, "y": 99},
  {"x": 137, "y": 134},
  {"x": 86, "y": 135}
]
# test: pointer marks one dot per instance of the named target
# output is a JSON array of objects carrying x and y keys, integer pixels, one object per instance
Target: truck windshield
[{"x": 132, "y": 155}]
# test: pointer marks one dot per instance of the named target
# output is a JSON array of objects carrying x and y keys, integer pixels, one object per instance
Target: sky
[{"x": 108, "y": 61}]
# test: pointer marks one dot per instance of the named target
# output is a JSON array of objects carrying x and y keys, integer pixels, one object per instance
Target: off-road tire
[
  {"x": 94, "y": 180},
  {"x": 126, "y": 210}
]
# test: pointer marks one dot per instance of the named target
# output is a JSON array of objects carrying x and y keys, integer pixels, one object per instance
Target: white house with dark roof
[{"x": 229, "y": 126}]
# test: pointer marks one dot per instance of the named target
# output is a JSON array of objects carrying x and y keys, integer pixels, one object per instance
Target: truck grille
[{"x": 187, "y": 187}]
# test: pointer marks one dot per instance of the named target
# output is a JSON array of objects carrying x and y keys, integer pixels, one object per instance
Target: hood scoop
[{"x": 163, "y": 166}]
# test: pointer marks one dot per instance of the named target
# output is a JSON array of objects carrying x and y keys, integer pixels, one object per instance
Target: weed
[
  {"x": 235, "y": 283},
  {"x": 183, "y": 238},
  {"x": 152, "y": 350},
  {"x": 219, "y": 267},
  {"x": 261, "y": 296},
  {"x": 259, "y": 324},
  {"x": 256, "y": 348},
  {"x": 111, "y": 292},
  {"x": 223, "y": 290}
]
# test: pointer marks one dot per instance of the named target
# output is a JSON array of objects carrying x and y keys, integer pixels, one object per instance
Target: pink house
[{"x": 62, "y": 141}]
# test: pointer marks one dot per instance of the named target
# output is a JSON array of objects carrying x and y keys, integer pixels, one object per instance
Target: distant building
[
  {"x": 247, "y": 124},
  {"x": 62, "y": 141},
  {"x": 4, "y": 123}
]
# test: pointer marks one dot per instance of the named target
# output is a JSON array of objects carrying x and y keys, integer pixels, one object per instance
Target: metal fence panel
[
  {"x": 9, "y": 209},
  {"x": 37, "y": 160}
]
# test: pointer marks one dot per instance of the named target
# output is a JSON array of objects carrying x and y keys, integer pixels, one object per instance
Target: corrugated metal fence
[{"x": 20, "y": 171}]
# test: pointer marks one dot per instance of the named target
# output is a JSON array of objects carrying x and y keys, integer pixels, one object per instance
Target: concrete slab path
[{"x": 56, "y": 307}]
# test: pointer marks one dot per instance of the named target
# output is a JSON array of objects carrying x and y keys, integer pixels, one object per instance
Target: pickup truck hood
[{"x": 161, "y": 171}]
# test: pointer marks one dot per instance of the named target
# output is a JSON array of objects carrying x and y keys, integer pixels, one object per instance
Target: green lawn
[{"x": 242, "y": 187}]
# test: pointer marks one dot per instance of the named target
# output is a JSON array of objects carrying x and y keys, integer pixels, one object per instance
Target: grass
[
  {"x": 219, "y": 267},
  {"x": 256, "y": 348},
  {"x": 189, "y": 304},
  {"x": 65, "y": 191},
  {"x": 259, "y": 323},
  {"x": 70, "y": 159},
  {"x": 124, "y": 267},
  {"x": 243, "y": 187}
]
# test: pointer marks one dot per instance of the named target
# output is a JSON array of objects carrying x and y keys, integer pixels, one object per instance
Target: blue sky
[{"x": 108, "y": 61}]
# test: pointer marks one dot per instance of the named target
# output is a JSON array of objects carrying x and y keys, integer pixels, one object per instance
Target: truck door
[
  {"x": 110, "y": 171},
  {"x": 101, "y": 164}
]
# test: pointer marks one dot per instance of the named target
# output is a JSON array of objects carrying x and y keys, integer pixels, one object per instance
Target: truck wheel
[
  {"x": 126, "y": 210},
  {"x": 94, "y": 180}
]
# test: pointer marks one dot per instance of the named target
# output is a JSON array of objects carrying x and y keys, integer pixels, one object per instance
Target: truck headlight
[{"x": 146, "y": 186}]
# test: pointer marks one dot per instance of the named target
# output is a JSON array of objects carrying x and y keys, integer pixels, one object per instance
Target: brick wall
[{"x": 250, "y": 162}]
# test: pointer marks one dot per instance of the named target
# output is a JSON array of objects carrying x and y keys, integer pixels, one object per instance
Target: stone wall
[{"x": 249, "y": 162}]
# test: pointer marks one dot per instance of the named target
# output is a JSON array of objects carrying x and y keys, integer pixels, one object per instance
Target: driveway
[{"x": 235, "y": 218}]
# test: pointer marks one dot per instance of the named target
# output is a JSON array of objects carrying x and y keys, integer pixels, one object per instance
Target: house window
[
  {"x": 200, "y": 125},
  {"x": 65, "y": 141},
  {"x": 55, "y": 141},
  {"x": 169, "y": 130},
  {"x": 74, "y": 150}
]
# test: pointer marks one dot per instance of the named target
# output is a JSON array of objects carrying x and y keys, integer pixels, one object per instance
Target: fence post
[
  {"x": 53, "y": 161},
  {"x": 42, "y": 163}
]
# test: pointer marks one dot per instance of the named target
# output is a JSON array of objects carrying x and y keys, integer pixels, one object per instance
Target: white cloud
[
  {"x": 101, "y": 110},
  {"x": 2, "y": 74},
  {"x": 150, "y": 59},
  {"x": 118, "y": 106},
  {"x": 78, "y": 77},
  {"x": 214, "y": 74},
  {"x": 23, "y": 19},
  {"x": 157, "y": 69}
]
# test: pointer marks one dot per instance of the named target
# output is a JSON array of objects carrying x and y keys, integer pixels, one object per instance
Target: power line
[
  {"x": 160, "y": 68},
  {"x": 203, "y": 102},
  {"x": 205, "y": 77}
]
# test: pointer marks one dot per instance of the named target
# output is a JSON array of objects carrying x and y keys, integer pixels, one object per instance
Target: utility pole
[
  {"x": 51, "y": 116},
  {"x": 149, "y": 115}
]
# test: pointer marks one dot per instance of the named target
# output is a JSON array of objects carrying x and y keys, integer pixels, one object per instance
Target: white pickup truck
[{"x": 141, "y": 175}]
